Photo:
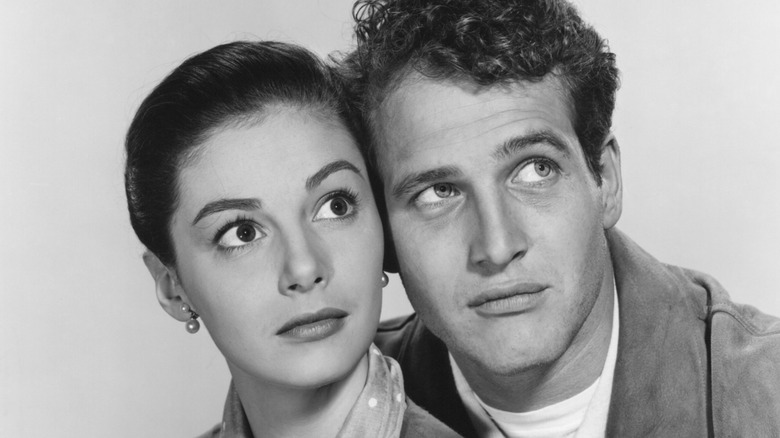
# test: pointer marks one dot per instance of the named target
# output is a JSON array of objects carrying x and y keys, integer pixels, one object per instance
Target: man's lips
[
  {"x": 312, "y": 318},
  {"x": 489, "y": 296}
]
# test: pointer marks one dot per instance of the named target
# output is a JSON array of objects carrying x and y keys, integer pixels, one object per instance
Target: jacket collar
[
  {"x": 660, "y": 383},
  {"x": 428, "y": 378}
]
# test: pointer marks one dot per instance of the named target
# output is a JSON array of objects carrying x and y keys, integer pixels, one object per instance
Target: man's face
[{"x": 498, "y": 224}]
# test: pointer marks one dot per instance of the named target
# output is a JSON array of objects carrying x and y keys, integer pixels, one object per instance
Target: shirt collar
[{"x": 378, "y": 411}]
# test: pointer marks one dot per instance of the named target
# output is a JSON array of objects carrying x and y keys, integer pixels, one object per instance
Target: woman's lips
[{"x": 313, "y": 326}]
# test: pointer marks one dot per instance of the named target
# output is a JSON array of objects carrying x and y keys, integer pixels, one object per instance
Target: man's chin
[
  {"x": 514, "y": 365},
  {"x": 513, "y": 369},
  {"x": 504, "y": 361}
]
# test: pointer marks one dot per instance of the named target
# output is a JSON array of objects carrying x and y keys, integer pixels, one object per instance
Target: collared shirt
[
  {"x": 378, "y": 411},
  {"x": 583, "y": 415}
]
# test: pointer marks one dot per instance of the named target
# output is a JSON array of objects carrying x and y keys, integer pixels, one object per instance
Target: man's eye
[
  {"x": 535, "y": 171},
  {"x": 335, "y": 208},
  {"x": 240, "y": 235},
  {"x": 436, "y": 193}
]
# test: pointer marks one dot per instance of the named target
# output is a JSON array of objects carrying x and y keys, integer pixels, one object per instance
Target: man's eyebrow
[
  {"x": 410, "y": 182},
  {"x": 245, "y": 204},
  {"x": 516, "y": 144},
  {"x": 326, "y": 170}
]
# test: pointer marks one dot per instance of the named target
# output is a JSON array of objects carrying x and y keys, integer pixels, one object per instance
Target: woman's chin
[
  {"x": 327, "y": 370},
  {"x": 315, "y": 369}
]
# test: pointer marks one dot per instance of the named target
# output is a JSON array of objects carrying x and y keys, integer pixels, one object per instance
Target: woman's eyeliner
[
  {"x": 223, "y": 231},
  {"x": 349, "y": 196}
]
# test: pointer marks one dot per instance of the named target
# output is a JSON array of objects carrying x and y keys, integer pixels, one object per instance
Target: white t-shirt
[{"x": 583, "y": 415}]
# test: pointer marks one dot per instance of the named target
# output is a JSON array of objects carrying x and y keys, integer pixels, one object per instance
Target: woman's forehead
[{"x": 280, "y": 153}]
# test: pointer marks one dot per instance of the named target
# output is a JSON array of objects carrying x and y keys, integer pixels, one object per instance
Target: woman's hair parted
[
  {"x": 228, "y": 85},
  {"x": 485, "y": 42}
]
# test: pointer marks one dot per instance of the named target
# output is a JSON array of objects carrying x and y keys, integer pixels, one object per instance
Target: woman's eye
[
  {"x": 240, "y": 235},
  {"x": 535, "y": 171},
  {"x": 436, "y": 193},
  {"x": 335, "y": 208}
]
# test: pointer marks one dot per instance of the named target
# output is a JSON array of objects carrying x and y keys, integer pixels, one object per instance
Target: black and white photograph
[{"x": 390, "y": 218}]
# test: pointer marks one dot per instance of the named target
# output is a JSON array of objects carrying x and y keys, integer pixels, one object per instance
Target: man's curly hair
[{"x": 485, "y": 42}]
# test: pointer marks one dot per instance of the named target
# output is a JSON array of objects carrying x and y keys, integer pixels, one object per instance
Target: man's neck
[
  {"x": 546, "y": 384},
  {"x": 292, "y": 412}
]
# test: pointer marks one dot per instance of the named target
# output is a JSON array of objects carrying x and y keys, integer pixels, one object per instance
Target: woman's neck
[{"x": 280, "y": 411}]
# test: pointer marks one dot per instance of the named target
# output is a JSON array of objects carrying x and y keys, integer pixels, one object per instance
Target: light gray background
[{"x": 85, "y": 349}]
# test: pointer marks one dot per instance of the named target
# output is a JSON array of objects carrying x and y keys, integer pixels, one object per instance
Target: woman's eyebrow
[
  {"x": 245, "y": 204},
  {"x": 319, "y": 176}
]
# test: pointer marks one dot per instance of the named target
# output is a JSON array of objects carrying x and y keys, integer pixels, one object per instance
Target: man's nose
[
  {"x": 498, "y": 236},
  {"x": 306, "y": 262}
]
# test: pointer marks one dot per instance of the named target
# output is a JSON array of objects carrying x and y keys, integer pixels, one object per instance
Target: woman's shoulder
[{"x": 419, "y": 423}]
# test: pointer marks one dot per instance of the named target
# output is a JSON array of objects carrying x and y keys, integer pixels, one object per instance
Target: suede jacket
[{"x": 690, "y": 363}]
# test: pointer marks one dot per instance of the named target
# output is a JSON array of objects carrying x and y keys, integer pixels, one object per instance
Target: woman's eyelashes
[
  {"x": 338, "y": 205},
  {"x": 238, "y": 233},
  {"x": 341, "y": 204}
]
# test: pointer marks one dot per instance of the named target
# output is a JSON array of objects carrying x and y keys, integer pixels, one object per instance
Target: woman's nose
[{"x": 306, "y": 263}]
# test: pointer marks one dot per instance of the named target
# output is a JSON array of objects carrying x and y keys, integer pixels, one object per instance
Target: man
[{"x": 490, "y": 138}]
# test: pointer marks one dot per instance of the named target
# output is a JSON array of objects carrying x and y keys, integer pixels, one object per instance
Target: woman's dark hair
[
  {"x": 229, "y": 84},
  {"x": 484, "y": 42}
]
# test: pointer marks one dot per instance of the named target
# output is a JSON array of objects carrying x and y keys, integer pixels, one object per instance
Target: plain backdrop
[{"x": 85, "y": 350}]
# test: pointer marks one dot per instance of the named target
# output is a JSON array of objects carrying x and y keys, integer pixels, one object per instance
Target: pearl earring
[
  {"x": 384, "y": 279},
  {"x": 192, "y": 325}
]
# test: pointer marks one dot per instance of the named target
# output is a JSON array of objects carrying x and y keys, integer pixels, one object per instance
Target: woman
[{"x": 245, "y": 182}]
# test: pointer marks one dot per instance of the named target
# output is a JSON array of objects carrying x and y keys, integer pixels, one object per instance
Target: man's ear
[
  {"x": 611, "y": 182},
  {"x": 169, "y": 291}
]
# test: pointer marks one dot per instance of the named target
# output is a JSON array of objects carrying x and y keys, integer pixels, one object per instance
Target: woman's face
[{"x": 279, "y": 247}]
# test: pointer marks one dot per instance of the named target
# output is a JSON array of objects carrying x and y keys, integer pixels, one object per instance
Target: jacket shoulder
[
  {"x": 418, "y": 423},
  {"x": 727, "y": 315},
  {"x": 394, "y": 334},
  {"x": 745, "y": 368},
  {"x": 748, "y": 318}
]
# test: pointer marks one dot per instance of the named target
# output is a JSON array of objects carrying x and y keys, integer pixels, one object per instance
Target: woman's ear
[
  {"x": 169, "y": 291},
  {"x": 611, "y": 182}
]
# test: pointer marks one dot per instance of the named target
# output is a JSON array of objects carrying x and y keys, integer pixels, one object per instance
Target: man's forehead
[
  {"x": 421, "y": 112},
  {"x": 407, "y": 83}
]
